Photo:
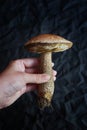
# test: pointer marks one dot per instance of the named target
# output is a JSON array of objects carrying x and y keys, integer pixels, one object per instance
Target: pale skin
[{"x": 19, "y": 77}]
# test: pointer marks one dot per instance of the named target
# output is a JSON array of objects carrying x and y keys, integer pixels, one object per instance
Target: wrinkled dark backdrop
[{"x": 19, "y": 21}]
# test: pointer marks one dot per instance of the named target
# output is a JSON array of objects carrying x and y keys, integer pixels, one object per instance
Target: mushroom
[{"x": 45, "y": 44}]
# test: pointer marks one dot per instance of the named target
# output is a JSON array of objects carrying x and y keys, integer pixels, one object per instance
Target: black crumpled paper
[{"x": 21, "y": 20}]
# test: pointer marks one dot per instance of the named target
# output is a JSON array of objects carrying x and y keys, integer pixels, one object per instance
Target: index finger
[{"x": 30, "y": 62}]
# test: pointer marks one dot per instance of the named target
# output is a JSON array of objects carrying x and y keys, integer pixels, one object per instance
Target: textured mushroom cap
[{"x": 48, "y": 43}]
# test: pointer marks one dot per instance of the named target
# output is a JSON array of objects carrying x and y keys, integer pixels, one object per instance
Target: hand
[{"x": 18, "y": 78}]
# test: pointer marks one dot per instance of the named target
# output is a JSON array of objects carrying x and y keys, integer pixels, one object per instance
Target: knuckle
[{"x": 15, "y": 61}]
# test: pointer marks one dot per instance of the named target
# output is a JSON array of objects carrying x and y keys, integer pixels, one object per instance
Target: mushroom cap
[{"x": 48, "y": 43}]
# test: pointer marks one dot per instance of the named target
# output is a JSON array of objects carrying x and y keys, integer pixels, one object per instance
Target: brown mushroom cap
[{"x": 48, "y": 43}]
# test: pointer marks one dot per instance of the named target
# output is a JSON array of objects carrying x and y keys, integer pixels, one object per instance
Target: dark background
[{"x": 19, "y": 21}]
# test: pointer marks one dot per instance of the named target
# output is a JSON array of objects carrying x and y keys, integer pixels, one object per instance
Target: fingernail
[
  {"x": 52, "y": 64},
  {"x": 55, "y": 72},
  {"x": 46, "y": 77},
  {"x": 54, "y": 78}
]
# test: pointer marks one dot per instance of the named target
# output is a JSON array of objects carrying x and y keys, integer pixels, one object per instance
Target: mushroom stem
[{"x": 46, "y": 90}]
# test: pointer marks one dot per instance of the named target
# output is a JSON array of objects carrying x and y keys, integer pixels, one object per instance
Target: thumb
[{"x": 36, "y": 78}]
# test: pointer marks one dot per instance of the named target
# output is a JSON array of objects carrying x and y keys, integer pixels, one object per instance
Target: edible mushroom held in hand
[{"x": 45, "y": 44}]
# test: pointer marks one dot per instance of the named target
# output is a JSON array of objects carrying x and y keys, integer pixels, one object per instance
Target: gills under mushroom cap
[{"x": 48, "y": 43}]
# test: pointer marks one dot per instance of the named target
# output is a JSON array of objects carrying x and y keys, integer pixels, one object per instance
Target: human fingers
[
  {"x": 32, "y": 70},
  {"x": 35, "y": 78},
  {"x": 31, "y": 87},
  {"x": 30, "y": 62},
  {"x": 36, "y": 70}
]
